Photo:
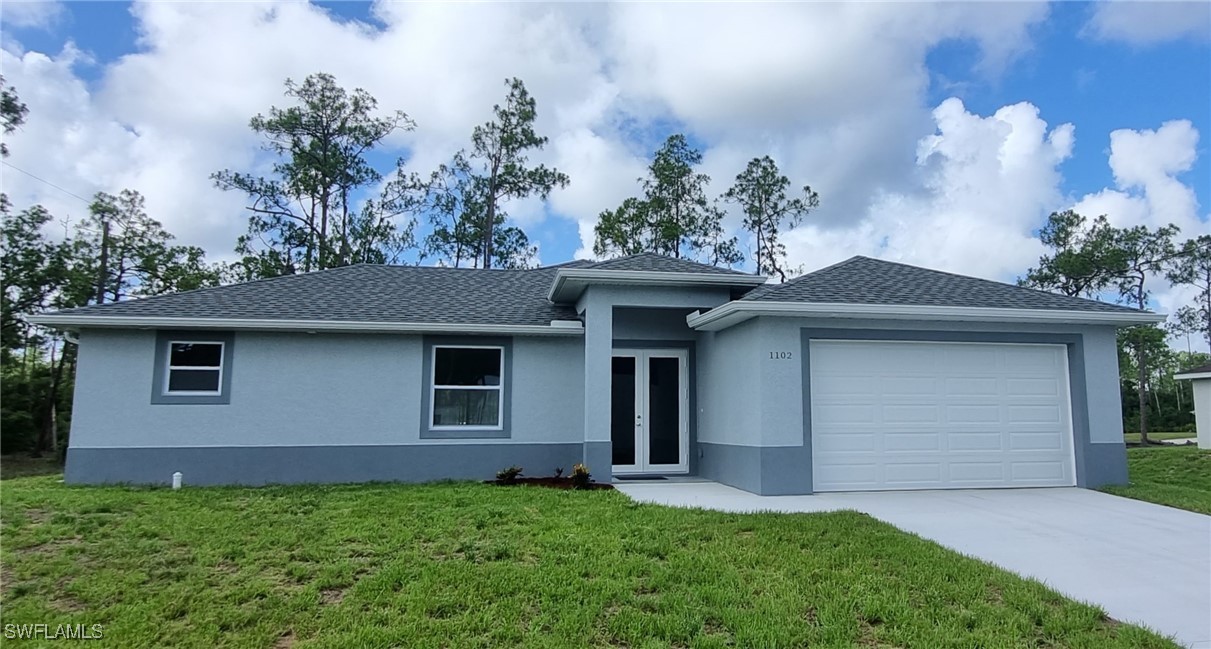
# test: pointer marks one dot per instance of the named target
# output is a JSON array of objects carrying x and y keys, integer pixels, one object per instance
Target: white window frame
[
  {"x": 434, "y": 387},
  {"x": 169, "y": 367}
]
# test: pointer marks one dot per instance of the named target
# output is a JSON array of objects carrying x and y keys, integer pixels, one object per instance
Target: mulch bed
[{"x": 552, "y": 482}]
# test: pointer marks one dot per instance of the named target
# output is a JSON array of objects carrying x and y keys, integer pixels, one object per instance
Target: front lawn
[
  {"x": 471, "y": 565},
  {"x": 1177, "y": 476}
]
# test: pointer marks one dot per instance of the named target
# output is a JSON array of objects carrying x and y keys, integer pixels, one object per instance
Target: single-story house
[
  {"x": 1200, "y": 382},
  {"x": 864, "y": 375}
]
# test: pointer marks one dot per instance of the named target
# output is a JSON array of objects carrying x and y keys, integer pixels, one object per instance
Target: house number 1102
[{"x": 781, "y": 356}]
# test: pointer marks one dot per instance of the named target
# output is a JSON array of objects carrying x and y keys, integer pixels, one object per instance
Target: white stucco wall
[{"x": 1202, "y": 411}]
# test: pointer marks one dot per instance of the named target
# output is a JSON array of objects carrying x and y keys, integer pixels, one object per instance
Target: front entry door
[{"x": 649, "y": 414}]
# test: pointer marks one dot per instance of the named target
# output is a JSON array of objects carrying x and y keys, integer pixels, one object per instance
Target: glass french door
[{"x": 649, "y": 411}]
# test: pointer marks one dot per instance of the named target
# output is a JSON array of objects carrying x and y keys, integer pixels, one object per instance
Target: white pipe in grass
[{"x": 176, "y": 480}]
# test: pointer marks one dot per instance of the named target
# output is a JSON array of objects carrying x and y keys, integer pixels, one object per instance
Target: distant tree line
[{"x": 1088, "y": 258}]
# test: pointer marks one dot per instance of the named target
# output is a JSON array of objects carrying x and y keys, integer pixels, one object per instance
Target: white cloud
[
  {"x": 748, "y": 81},
  {"x": 27, "y": 14},
  {"x": 1147, "y": 167},
  {"x": 987, "y": 183},
  {"x": 1148, "y": 191},
  {"x": 1148, "y": 23}
]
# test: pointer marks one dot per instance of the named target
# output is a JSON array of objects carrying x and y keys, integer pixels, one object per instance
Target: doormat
[{"x": 640, "y": 477}]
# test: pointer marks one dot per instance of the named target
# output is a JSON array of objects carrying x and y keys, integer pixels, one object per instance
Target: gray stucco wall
[
  {"x": 326, "y": 391},
  {"x": 746, "y": 399}
]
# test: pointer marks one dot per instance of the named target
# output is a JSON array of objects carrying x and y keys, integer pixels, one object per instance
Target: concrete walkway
[{"x": 1142, "y": 563}]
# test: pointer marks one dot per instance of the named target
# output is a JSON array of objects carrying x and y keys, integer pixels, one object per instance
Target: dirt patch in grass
[
  {"x": 285, "y": 641},
  {"x": 1110, "y": 622},
  {"x": 332, "y": 596}
]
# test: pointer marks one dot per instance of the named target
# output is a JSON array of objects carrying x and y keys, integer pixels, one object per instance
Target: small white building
[{"x": 1200, "y": 379}]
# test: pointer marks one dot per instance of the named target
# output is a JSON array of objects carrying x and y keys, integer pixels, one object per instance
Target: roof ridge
[{"x": 682, "y": 260}]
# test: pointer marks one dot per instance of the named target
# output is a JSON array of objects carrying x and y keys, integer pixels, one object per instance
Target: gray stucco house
[{"x": 864, "y": 375}]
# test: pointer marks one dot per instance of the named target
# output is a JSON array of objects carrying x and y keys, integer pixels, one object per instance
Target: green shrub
[
  {"x": 580, "y": 476},
  {"x": 509, "y": 475}
]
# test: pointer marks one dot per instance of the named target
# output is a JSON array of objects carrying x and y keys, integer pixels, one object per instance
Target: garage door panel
[
  {"x": 854, "y": 476},
  {"x": 968, "y": 357},
  {"x": 1044, "y": 471},
  {"x": 1034, "y": 442},
  {"x": 972, "y": 441},
  {"x": 911, "y": 441},
  {"x": 894, "y": 414},
  {"x": 1032, "y": 359},
  {"x": 845, "y": 413},
  {"x": 845, "y": 442},
  {"x": 1032, "y": 387},
  {"x": 961, "y": 415},
  {"x": 1033, "y": 414},
  {"x": 972, "y": 387},
  {"x": 904, "y": 386},
  {"x": 977, "y": 472},
  {"x": 845, "y": 386},
  {"x": 912, "y": 473},
  {"x": 939, "y": 415}
]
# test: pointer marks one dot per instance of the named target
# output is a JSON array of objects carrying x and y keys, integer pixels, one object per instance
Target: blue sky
[
  {"x": 1099, "y": 86},
  {"x": 847, "y": 98}
]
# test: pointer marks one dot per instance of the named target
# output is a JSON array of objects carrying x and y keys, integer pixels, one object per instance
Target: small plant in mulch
[
  {"x": 508, "y": 475},
  {"x": 580, "y": 478}
]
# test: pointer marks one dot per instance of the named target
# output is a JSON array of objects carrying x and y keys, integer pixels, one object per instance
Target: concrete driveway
[{"x": 1142, "y": 563}]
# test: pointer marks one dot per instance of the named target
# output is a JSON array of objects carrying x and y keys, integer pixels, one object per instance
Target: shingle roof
[
  {"x": 1201, "y": 369},
  {"x": 367, "y": 293},
  {"x": 862, "y": 280},
  {"x": 650, "y": 261}
]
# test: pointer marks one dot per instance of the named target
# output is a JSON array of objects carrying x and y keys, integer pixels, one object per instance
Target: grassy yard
[
  {"x": 1177, "y": 476},
  {"x": 1134, "y": 438},
  {"x": 469, "y": 565}
]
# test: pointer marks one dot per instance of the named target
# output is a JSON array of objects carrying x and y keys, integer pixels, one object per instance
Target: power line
[{"x": 45, "y": 181}]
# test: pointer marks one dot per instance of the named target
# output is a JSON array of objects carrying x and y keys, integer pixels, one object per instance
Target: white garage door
[{"x": 906, "y": 415}]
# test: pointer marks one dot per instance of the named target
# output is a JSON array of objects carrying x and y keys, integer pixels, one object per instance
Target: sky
[{"x": 940, "y": 135}]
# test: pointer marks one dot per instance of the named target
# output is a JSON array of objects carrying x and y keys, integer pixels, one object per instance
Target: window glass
[
  {"x": 196, "y": 355},
  {"x": 193, "y": 381},
  {"x": 466, "y": 366},
  {"x": 466, "y": 407}
]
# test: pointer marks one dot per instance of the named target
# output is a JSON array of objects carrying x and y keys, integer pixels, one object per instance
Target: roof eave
[
  {"x": 83, "y": 321},
  {"x": 737, "y": 311},
  {"x": 1193, "y": 376},
  {"x": 569, "y": 283}
]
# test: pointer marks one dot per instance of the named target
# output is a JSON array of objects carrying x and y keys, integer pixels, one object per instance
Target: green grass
[
  {"x": 1134, "y": 438},
  {"x": 471, "y": 565},
  {"x": 1177, "y": 476}
]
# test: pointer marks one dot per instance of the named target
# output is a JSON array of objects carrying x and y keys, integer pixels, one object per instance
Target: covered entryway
[{"x": 889, "y": 415}]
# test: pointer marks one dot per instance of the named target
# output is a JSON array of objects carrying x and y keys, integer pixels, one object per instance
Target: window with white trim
[
  {"x": 467, "y": 387},
  {"x": 194, "y": 368}
]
